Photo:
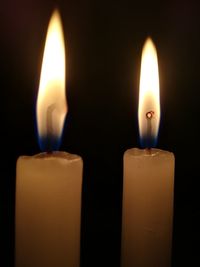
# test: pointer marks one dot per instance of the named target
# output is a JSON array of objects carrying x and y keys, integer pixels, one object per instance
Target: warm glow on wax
[
  {"x": 149, "y": 96},
  {"x": 51, "y": 101}
]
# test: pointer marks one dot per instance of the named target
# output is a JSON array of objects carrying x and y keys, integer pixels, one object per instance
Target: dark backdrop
[{"x": 104, "y": 41}]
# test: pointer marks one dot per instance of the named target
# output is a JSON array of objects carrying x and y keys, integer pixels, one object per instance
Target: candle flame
[
  {"x": 149, "y": 96},
  {"x": 51, "y": 100}
]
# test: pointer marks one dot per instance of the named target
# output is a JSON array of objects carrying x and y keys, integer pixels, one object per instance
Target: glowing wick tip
[{"x": 150, "y": 114}]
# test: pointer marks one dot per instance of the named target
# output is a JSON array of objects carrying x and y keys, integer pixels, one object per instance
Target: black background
[{"x": 104, "y": 41}]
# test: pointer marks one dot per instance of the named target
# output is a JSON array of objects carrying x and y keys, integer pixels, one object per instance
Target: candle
[
  {"x": 48, "y": 185},
  {"x": 148, "y": 181}
]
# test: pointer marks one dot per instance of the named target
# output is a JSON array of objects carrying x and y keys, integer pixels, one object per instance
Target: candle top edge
[
  {"x": 53, "y": 155},
  {"x": 153, "y": 152}
]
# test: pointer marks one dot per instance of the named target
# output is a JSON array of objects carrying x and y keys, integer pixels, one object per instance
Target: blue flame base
[
  {"x": 148, "y": 142},
  {"x": 49, "y": 143}
]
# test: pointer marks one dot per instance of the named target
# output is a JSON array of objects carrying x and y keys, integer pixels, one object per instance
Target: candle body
[
  {"x": 147, "y": 219},
  {"x": 48, "y": 210}
]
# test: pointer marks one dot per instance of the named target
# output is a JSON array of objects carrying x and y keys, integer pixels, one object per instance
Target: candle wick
[
  {"x": 49, "y": 152},
  {"x": 148, "y": 150},
  {"x": 50, "y": 111},
  {"x": 149, "y": 116}
]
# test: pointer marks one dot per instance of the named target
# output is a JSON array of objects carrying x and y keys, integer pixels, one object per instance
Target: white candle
[
  {"x": 48, "y": 209},
  {"x": 148, "y": 181},
  {"x": 48, "y": 185}
]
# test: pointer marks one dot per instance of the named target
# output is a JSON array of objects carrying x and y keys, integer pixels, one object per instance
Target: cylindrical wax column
[
  {"x": 48, "y": 210},
  {"x": 148, "y": 188}
]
